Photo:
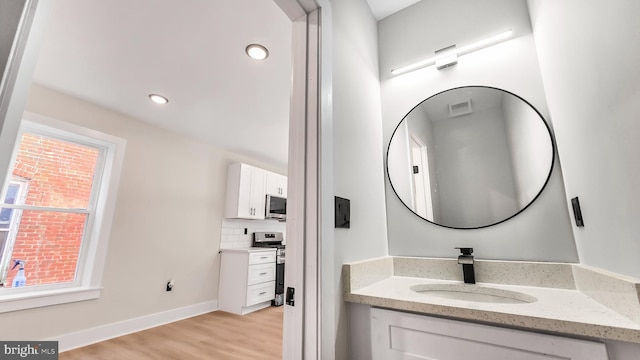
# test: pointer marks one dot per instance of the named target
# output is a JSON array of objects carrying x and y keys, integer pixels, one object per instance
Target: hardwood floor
[{"x": 216, "y": 335}]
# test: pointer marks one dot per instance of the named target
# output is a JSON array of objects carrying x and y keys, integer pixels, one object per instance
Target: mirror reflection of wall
[{"x": 470, "y": 157}]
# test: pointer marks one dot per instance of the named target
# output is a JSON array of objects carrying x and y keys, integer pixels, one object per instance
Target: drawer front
[
  {"x": 261, "y": 273},
  {"x": 262, "y": 257},
  {"x": 260, "y": 293}
]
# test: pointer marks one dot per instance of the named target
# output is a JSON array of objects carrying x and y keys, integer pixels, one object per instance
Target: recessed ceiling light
[
  {"x": 257, "y": 52},
  {"x": 158, "y": 99}
]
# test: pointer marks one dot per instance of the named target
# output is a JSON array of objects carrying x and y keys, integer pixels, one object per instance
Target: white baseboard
[{"x": 91, "y": 336}]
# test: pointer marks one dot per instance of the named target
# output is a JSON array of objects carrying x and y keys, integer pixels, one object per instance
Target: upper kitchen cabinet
[
  {"x": 276, "y": 184},
  {"x": 245, "y": 192}
]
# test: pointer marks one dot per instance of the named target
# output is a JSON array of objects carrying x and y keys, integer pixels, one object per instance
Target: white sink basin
[{"x": 472, "y": 292}]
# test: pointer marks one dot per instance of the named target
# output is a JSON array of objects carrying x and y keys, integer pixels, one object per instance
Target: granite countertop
[{"x": 568, "y": 298}]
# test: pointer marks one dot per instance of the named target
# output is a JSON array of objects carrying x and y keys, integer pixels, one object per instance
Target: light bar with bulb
[{"x": 458, "y": 51}]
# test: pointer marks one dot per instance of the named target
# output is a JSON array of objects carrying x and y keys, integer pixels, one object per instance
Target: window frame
[
  {"x": 14, "y": 221},
  {"x": 93, "y": 250}
]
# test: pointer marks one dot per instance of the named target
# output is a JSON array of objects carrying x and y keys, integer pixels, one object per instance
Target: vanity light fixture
[
  {"x": 257, "y": 52},
  {"x": 158, "y": 99},
  {"x": 449, "y": 56}
]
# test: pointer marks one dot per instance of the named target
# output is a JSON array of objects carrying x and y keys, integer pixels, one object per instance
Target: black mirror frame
[{"x": 553, "y": 158}]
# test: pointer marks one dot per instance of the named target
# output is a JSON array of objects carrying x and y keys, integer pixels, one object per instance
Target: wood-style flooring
[{"x": 216, "y": 335}]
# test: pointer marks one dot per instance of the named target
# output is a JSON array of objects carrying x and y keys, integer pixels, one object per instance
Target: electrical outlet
[{"x": 169, "y": 285}]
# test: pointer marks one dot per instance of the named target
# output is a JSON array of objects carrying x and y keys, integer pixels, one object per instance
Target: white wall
[
  {"x": 358, "y": 156},
  {"x": 542, "y": 231},
  {"x": 589, "y": 56},
  {"x": 167, "y": 224}
]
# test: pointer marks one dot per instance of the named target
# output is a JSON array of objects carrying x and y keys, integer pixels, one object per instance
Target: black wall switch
[
  {"x": 343, "y": 213},
  {"x": 577, "y": 213}
]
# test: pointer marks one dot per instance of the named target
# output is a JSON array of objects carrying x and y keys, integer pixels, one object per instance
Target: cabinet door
[
  {"x": 260, "y": 293},
  {"x": 261, "y": 273},
  {"x": 283, "y": 186},
  {"x": 262, "y": 257},
  {"x": 245, "y": 192},
  {"x": 276, "y": 184},
  {"x": 258, "y": 196},
  {"x": 245, "y": 207},
  {"x": 398, "y": 335}
]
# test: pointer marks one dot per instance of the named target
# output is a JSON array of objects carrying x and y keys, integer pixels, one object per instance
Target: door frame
[
  {"x": 309, "y": 195},
  {"x": 16, "y": 76}
]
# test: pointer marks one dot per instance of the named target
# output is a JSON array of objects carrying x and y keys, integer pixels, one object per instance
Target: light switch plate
[{"x": 343, "y": 213}]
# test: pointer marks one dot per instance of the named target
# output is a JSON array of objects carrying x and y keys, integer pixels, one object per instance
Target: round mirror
[{"x": 470, "y": 157}]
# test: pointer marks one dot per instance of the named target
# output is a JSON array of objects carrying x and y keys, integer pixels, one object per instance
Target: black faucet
[{"x": 466, "y": 259}]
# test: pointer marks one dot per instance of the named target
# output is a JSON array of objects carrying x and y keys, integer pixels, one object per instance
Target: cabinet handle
[
  {"x": 262, "y": 293},
  {"x": 264, "y": 257},
  {"x": 264, "y": 273}
]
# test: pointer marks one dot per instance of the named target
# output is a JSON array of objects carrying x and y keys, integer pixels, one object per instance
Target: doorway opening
[{"x": 421, "y": 188}]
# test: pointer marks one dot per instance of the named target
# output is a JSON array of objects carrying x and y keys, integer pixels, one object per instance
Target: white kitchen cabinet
[
  {"x": 399, "y": 335},
  {"x": 247, "y": 279},
  {"x": 245, "y": 197},
  {"x": 276, "y": 184}
]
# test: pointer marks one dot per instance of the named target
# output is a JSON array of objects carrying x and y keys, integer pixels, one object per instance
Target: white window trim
[
  {"x": 92, "y": 258},
  {"x": 5, "y": 262}
]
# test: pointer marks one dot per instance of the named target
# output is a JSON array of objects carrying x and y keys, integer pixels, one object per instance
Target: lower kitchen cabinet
[
  {"x": 399, "y": 335},
  {"x": 247, "y": 279}
]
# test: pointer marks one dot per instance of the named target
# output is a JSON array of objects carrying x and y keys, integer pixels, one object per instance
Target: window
[
  {"x": 55, "y": 211},
  {"x": 9, "y": 223}
]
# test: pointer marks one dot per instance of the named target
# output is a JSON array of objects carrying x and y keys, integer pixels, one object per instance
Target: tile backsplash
[{"x": 233, "y": 231}]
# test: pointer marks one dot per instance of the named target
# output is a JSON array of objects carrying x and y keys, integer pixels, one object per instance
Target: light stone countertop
[
  {"x": 249, "y": 250},
  {"x": 559, "y": 308}
]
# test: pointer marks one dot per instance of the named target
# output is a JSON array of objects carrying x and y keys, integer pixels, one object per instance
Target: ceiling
[
  {"x": 384, "y": 8},
  {"x": 114, "y": 53}
]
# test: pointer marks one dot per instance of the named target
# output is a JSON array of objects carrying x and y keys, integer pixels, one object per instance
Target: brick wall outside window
[{"x": 58, "y": 174}]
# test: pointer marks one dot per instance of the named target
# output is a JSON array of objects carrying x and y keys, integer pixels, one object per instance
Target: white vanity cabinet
[
  {"x": 399, "y": 335},
  {"x": 247, "y": 279},
  {"x": 276, "y": 184},
  {"x": 245, "y": 198}
]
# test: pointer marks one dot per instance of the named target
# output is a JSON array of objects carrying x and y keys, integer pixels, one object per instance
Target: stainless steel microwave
[{"x": 276, "y": 207}]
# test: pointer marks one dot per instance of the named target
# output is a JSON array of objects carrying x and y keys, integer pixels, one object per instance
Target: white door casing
[{"x": 301, "y": 338}]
